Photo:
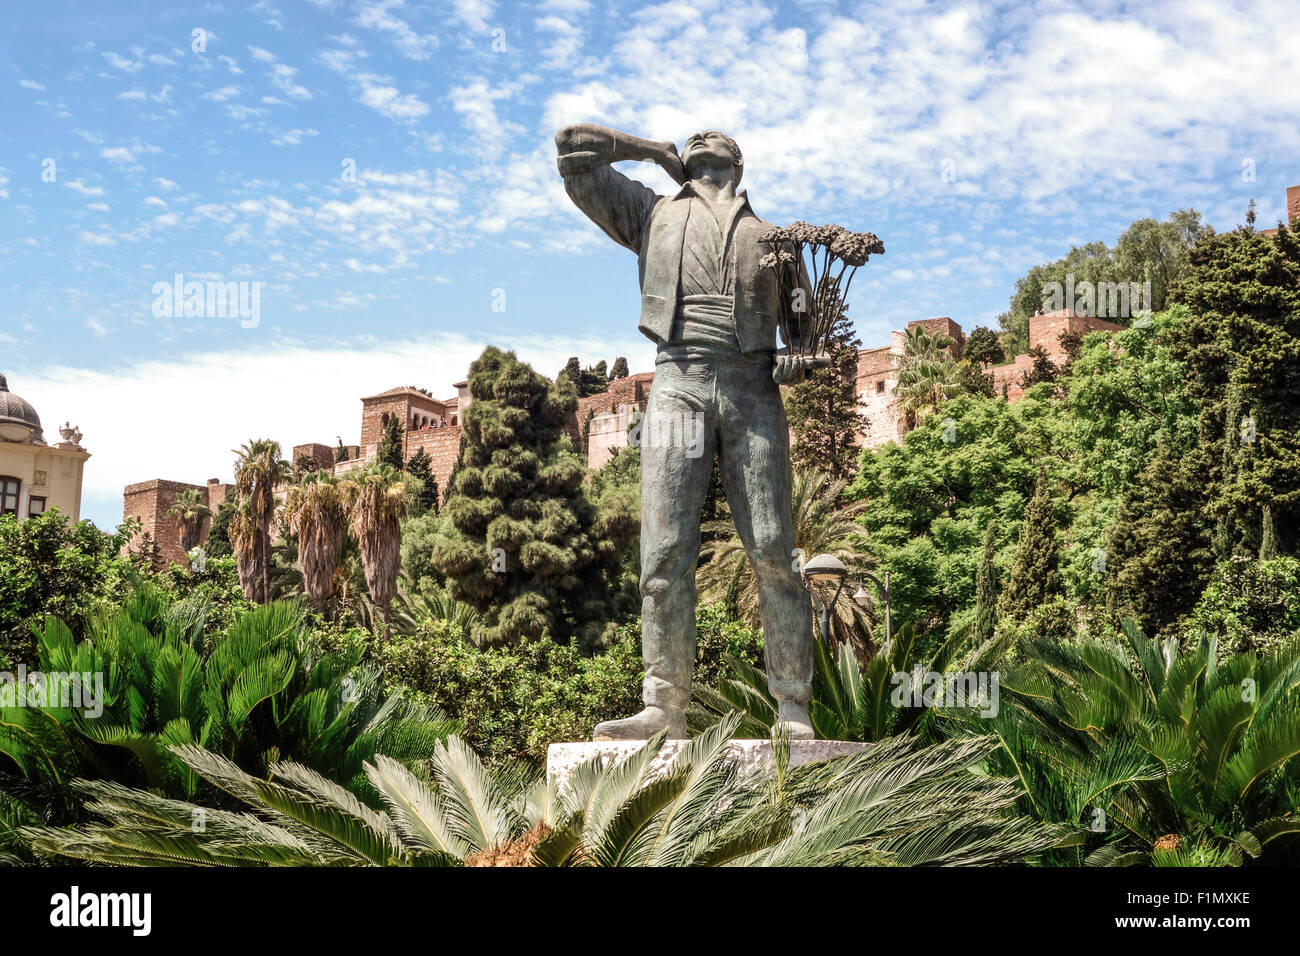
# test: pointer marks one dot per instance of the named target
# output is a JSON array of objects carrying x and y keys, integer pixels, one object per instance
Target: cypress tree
[
  {"x": 1159, "y": 551},
  {"x": 619, "y": 370},
  {"x": 823, "y": 410},
  {"x": 421, "y": 466},
  {"x": 1034, "y": 579},
  {"x": 390, "y": 446},
  {"x": 986, "y": 590},
  {"x": 573, "y": 372},
  {"x": 530, "y": 554},
  {"x": 1239, "y": 349},
  {"x": 1268, "y": 539}
]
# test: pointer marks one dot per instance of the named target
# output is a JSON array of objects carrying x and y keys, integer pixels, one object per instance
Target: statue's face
[{"x": 706, "y": 150}]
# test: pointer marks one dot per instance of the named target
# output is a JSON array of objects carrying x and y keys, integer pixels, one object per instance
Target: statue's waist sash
[{"x": 705, "y": 323}]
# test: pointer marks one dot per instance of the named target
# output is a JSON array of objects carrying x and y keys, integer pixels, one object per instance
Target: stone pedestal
[{"x": 750, "y": 756}]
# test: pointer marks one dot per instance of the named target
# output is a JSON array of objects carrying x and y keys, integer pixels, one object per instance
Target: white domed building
[{"x": 36, "y": 476}]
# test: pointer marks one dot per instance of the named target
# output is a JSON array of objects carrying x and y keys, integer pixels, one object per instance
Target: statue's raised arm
[{"x": 619, "y": 205}]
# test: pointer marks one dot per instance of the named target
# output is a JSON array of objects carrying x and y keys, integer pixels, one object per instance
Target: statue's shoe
[
  {"x": 794, "y": 720},
  {"x": 643, "y": 726}
]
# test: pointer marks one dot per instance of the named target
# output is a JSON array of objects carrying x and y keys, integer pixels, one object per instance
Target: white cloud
[
  {"x": 118, "y": 155},
  {"x": 221, "y": 95},
  {"x": 30, "y": 85},
  {"x": 100, "y": 238},
  {"x": 280, "y": 74},
  {"x": 119, "y": 62},
  {"x": 282, "y": 77},
  {"x": 340, "y": 61},
  {"x": 292, "y": 137},
  {"x": 844, "y": 111},
  {"x": 476, "y": 103},
  {"x": 474, "y": 13},
  {"x": 378, "y": 16},
  {"x": 568, "y": 40},
  {"x": 76, "y": 185},
  {"x": 230, "y": 63},
  {"x": 390, "y": 101}
]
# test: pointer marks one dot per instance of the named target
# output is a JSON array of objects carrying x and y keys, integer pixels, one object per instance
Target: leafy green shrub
[
  {"x": 1155, "y": 754},
  {"x": 515, "y": 701},
  {"x": 50, "y": 565},
  {"x": 1249, "y": 605}
]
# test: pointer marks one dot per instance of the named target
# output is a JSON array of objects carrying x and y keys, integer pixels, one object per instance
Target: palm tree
[
  {"x": 378, "y": 499},
  {"x": 928, "y": 374},
  {"x": 258, "y": 469},
  {"x": 823, "y": 524},
  {"x": 250, "y": 561},
  {"x": 893, "y": 804},
  {"x": 315, "y": 511},
  {"x": 190, "y": 512}
]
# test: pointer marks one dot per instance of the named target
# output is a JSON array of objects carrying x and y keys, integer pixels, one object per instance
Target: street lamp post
[
  {"x": 828, "y": 569},
  {"x": 825, "y": 569},
  {"x": 862, "y": 599}
]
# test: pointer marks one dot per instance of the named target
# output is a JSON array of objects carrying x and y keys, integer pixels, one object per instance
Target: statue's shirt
[
  {"x": 701, "y": 278},
  {"x": 704, "y": 303}
]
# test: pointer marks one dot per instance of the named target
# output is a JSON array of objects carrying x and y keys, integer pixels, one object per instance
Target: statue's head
[{"x": 714, "y": 151}]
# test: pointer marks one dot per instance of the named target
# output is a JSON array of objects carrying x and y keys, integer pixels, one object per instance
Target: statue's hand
[
  {"x": 672, "y": 164},
  {"x": 792, "y": 369},
  {"x": 788, "y": 370}
]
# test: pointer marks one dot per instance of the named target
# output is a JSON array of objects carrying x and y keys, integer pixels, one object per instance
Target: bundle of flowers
[{"x": 819, "y": 261}]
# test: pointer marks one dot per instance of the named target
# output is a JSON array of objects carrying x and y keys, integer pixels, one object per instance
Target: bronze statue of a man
[{"x": 713, "y": 312}]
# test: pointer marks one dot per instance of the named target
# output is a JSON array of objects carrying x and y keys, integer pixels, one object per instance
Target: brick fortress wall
[
  {"x": 442, "y": 446},
  {"x": 610, "y": 413},
  {"x": 150, "y": 500}
]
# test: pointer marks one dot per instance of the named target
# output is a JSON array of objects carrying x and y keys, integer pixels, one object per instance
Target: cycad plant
[
  {"x": 1156, "y": 754},
  {"x": 262, "y": 694},
  {"x": 892, "y": 804},
  {"x": 849, "y": 701},
  {"x": 378, "y": 499},
  {"x": 413, "y": 608}
]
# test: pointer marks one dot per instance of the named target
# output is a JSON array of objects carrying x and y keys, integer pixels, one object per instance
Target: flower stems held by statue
[{"x": 814, "y": 259}]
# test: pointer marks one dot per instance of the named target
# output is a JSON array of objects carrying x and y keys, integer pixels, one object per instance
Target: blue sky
[{"x": 975, "y": 139}]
